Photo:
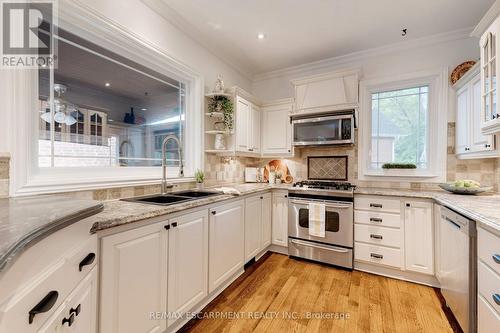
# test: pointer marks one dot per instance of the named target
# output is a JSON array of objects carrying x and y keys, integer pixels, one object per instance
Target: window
[
  {"x": 107, "y": 111},
  {"x": 403, "y": 120},
  {"x": 400, "y": 127}
]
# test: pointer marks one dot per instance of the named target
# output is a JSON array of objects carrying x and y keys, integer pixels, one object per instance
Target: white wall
[{"x": 444, "y": 54}]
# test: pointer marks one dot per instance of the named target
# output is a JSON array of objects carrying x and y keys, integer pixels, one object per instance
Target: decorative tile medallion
[{"x": 327, "y": 167}]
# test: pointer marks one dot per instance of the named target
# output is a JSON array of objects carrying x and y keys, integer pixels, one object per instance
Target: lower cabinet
[
  {"x": 419, "y": 233},
  {"x": 280, "y": 218},
  {"x": 226, "y": 243},
  {"x": 187, "y": 262},
  {"x": 134, "y": 280},
  {"x": 258, "y": 224},
  {"x": 78, "y": 313}
]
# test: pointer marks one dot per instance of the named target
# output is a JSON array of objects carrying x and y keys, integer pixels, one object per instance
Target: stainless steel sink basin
[
  {"x": 196, "y": 194},
  {"x": 172, "y": 198}
]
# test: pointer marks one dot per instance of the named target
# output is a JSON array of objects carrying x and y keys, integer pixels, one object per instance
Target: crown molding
[
  {"x": 173, "y": 17},
  {"x": 365, "y": 54},
  {"x": 487, "y": 19}
]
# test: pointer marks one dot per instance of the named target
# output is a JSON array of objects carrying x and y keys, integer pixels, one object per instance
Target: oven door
[
  {"x": 327, "y": 130},
  {"x": 338, "y": 222}
]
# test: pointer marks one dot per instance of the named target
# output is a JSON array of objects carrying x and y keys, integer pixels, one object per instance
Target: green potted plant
[
  {"x": 223, "y": 104},
  {"x": 200, "y": 178}
]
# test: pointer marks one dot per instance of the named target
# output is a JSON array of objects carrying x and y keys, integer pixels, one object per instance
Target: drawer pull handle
[
  {"x": 373, "y": 205},
  {"x": 496, "y": 258},
  {"x": 44, "y": 305},
  {"x": 496, "y": 298},
  {"x": 69, "y": 320},
  {"x": 214, "y": 212},
  {"x": 167, "y": 227},
  {"x": 174, "y": 224},
  {"x": 376, "y": 256},
  {"x": 89, "y": 259},
  {"x": 376, "y": 236},
  {"x": 375, "y": 219},
  {"x": 76, "y": 310}
]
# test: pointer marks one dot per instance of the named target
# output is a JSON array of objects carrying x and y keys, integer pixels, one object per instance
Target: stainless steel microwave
[{"x": 323, "y": 130}]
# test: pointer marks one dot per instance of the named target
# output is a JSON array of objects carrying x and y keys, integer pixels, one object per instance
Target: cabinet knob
[
  {"x": 261, "y": 198},
  {"x": 496, "y": 258},
  {"x": 289, "y": 150},
  {"x": 174, "y": 224},
  {"x": 487, "y": 146},
  {"x": 214, "y": 212},
  {"x": 69, "y": 320},
  {"x": 76, "y": 310},
  {"x": 167, "y": 227},
  {"x": 408, "y": 205},
  {"x": 286, "y": 196}
]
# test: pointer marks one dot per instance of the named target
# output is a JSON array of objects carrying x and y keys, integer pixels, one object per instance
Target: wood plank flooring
[{"x": 277, "y": 293}]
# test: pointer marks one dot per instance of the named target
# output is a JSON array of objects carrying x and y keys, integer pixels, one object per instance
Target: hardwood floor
[{"x": 277, "y": 293}]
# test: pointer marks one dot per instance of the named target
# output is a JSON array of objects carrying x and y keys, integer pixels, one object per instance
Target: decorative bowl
[{"x": 464, "y": 190}]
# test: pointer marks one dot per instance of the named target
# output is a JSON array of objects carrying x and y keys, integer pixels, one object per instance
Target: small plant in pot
[
  {"x": 200, "y": 178},
  {"x": 225, "y": 105},
  {"x": 279, "y": 177}
]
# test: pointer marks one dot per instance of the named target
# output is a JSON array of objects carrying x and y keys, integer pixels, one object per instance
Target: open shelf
[
  {"x": 217, "y": 132},
  {"x": 215, "y": 114}
]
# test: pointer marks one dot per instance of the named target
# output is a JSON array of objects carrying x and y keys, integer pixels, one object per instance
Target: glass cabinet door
[{"x": 488, "y": 71}]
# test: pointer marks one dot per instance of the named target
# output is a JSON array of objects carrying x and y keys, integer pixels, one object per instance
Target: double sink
[{"x": 172, "y": 198}]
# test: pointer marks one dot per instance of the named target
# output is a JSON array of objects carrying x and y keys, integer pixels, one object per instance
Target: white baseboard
[{"x": 428, "y": 280}]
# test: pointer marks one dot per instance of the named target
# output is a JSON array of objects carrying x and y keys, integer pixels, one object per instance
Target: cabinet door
[
  {"x": 277, "y": 130},
  {"x": 479, "y": 142},
  {"x": 255, "y": 130},
  {"x": 266, "y": 221},
  {"x": 134, "y": 280},
  {"x": 253, "y": 226},
  {"x": 280, "y": 219},
  {"x": 419, "y": 245},
  {"x": 187, "y": 262},
  {"x": 226, "y": 242},
  {"x": 463, "y": 121},
  {"x": 242, "y": 124}
]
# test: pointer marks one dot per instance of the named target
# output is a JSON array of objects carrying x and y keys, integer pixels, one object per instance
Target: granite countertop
[
  {"x": 483, "y": 208},
  {"x": 119, "y": 212},
  {"x": 25, "y": 221}
]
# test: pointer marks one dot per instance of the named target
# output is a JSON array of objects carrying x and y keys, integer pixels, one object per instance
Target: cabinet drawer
[
  {"x": 487, "y": 319},
  {"x": 376, "y": 218},
  {"x": 489, "y": 285},
  {"x": 377, "y": 235},
  {"x": 378, "y": 203},
  {"x": 488, "y": 249},
  {"x": 47, "y": 290},
  {"x": 377, "y": 254}
]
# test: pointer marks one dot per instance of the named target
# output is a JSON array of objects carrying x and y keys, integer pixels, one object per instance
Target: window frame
[
  {"x": 27, "y": 178},
  {"x": 436, "y": 80}
]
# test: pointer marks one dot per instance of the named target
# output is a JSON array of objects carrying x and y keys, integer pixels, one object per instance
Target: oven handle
[
  {"x": 326, "y": 204},
  {"x": 334, "y": 249}
]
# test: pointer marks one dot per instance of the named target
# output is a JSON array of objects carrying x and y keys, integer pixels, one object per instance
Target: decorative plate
[
  {"x": 460, "y": 70},
  {"x": 464, "y": 190}
]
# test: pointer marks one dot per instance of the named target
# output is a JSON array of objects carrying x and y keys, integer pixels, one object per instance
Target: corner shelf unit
[{"x": 210, "y": 132}]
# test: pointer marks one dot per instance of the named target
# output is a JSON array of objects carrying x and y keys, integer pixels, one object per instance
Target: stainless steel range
[{"x": 336, "y": 247}]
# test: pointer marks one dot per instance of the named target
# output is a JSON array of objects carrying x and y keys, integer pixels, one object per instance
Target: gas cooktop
[{"x": 325, "y": 185}]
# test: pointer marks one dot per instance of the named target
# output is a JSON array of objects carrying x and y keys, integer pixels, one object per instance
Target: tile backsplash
[{"x": 4, "y": 175}]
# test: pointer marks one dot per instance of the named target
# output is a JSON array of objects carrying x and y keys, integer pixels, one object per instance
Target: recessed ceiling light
[
  {"x": 107, "y": 84},
  {"x": 261, "y": 36},
  {"x": 144, "y": 109}
]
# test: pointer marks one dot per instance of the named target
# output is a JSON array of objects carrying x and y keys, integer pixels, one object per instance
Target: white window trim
[
  {"x": 28, "y": 179},
  {"x": 438, "y": 118}
]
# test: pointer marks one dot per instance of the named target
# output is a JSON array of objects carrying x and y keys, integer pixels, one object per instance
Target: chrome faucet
[{"x": 169, "y": 137}]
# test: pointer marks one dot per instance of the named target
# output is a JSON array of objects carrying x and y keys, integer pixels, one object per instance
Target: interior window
[
  {"x": 106, "y": 110},
  {"x": 399, "y": 131}
]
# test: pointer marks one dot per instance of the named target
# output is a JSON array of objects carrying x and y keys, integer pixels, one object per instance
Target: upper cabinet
[
  {"x": 277, "y": 128},
  {"x": 326, "y": 92},
  {"x": 470, "y": 141},
  {"x": 489, "y": 72},
  {"x": 247, "y": 127}
]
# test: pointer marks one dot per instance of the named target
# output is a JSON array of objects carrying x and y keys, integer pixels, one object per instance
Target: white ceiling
[{"x": 302, "y": 31}]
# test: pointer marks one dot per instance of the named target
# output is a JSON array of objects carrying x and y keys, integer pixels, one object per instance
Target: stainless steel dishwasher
[{"x": 457, "y": 266}]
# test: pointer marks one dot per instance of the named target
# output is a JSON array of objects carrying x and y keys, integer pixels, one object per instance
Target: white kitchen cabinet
[
  {"x": 489, "y": 73},
  {"x": 266, "y": 228},
  {"x": 247, "y": 127},
  {"x": 187, "y": 262},
  {"x": 470, "y": 142},
  {"x": 326, "y": 92},
  {"x": 280, "y": 218},
  {"x": 277, "y": 129},
  {"x": 226, "y": 242},
  {"x": 134, "y": 280},
  {"x": 419, "y": 233},
  {"x": 253, "y": 226}
]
